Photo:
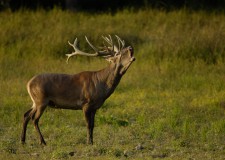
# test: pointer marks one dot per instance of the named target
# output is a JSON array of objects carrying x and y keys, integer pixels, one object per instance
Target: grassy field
[{"x": 170, "y": 104}]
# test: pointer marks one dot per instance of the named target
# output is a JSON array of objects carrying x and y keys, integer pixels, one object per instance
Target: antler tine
[
  {"x": 120, "y": 41},
  {"x": 74, "y": 43},
  {"x": 111, "y": 42},
  {"x": 93, "y": 47},
  {"x": 107, "y": 40},
  {"x": 74, "y": 53}
]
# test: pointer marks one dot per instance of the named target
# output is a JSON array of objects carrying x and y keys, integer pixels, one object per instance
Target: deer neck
[{"x": 109, "y": 77}]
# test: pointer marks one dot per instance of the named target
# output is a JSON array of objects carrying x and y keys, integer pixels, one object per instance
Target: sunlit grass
[{"x": 168, "y": 102}]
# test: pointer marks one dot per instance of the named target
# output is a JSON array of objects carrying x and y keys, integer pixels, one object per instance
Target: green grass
[{"x": 169, "y": 101}]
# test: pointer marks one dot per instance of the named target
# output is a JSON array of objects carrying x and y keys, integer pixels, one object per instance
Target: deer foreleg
[{"x": 89, "y": 117}]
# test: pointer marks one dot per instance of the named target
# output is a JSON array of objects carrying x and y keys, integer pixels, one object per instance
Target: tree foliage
[{"x": 103, "y": 5}]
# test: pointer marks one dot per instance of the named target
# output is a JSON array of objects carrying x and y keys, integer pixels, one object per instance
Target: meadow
[{"x": 169, "y": 105}]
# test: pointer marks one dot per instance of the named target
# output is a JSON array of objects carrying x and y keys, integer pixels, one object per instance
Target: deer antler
[
  {"x": 105, "y": 53},
  {"x": 110, "y": 51}
]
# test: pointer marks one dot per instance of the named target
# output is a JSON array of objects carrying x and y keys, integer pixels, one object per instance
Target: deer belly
[{"x": 62, "y": 104}]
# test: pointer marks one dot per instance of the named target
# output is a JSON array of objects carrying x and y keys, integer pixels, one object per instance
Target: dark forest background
[{"x": 113, "y": 5}]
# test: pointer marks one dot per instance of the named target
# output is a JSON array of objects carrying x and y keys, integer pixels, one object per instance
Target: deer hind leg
[
  {"x": 26, "y": 118},
  {"x": 35, "y": 118}
]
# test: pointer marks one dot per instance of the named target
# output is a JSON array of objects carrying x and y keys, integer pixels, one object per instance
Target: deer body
[
  {"x": 74, "y": 91},
  {"x": 85, "y": 91}
]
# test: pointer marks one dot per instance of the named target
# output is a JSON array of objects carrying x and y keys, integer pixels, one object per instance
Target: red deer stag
[{"x": 85, "y": 91}]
